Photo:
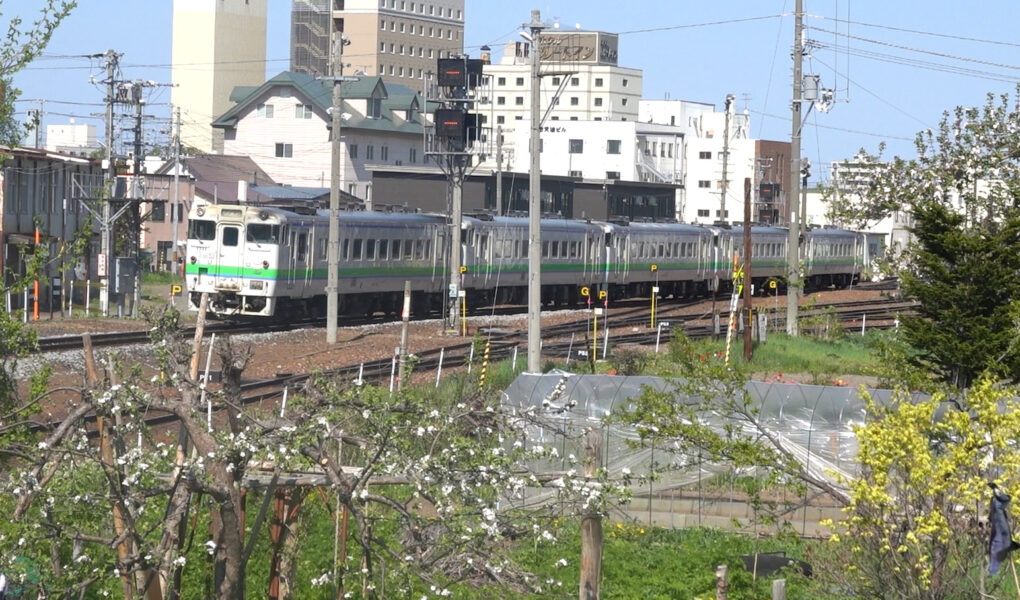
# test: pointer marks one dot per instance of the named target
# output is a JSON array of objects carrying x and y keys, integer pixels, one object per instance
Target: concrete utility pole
[
  {"x": 499, "y": 170},
  {"x": 725, "y": 158},
  {"x": 793, "y": 251},
  {"x": 535, "y": 205},
  {"x": 177, "y": 189},
  {"x": 333, "y": 245},
  {"x": 136, "y": 197},
  {"x": 106, "y": 243}
]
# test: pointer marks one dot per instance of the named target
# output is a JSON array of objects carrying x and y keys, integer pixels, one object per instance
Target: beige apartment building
[
  {"x": 398, "y": 40},
  {"x": 217, "y": 45}
]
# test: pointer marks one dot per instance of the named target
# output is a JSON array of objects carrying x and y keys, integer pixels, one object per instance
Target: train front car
[
  {"x": 233, "y": 255},
  {"x": 833, "y": 258}
]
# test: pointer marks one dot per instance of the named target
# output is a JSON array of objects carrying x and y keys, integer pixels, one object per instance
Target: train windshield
[
  {"x": 263, "y": 234},
  {"x": 202, "y": 230}
]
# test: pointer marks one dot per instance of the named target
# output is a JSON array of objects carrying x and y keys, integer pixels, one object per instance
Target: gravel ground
[{"x": 304, "y": 350}]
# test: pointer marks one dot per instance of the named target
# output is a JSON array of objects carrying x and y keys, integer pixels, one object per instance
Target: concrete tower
[{"x": 217, "y": 45}]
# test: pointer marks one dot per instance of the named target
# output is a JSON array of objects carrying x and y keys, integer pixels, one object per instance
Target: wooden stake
[{"x": 591, "y": 524}]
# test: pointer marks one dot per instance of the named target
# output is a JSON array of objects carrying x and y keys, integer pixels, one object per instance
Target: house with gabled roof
[{"x": 284, "y": 126}]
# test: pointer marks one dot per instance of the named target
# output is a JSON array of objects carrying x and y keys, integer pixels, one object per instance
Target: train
[{"x": 265, "y": 261}]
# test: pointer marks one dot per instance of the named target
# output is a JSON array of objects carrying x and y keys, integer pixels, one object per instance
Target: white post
[
  {"x": 658, "y": 334},
  {"x": 205, "y": 383},
  {"x": 471, "y": 357},
  {"x": 361, "y": 371},
  {"x": 393, "y": 369},
  {"x": 24, "y": 313},
  {"x": 864, "y": 322},
  {"x": 570, "y": 349},
  {"x": 439, "y": 371},
  {"x": 514, "y": 363},
  {"x": 283, "y": 403}
]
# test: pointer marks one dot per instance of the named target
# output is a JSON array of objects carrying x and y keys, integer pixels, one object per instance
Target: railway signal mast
[{"x": 452, "y": 140}]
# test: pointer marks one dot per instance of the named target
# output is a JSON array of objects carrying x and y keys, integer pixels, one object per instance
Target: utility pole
[
  {"x": 499, "y": 170},
  {"x": 106, "y": 223},
  {"x": 726, "y": 158},
  {"x": 535, "y": 205},
  {"x": 136, "y": 196},
  {"x": 793, "y": 251},
  {"x": 333, "y": 246},
  {"x": 177, "y": 182}
]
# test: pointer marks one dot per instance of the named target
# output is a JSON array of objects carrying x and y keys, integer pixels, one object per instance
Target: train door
[
  {"x": 304, "y": 257},
  {"x": 230, "y": 257}
]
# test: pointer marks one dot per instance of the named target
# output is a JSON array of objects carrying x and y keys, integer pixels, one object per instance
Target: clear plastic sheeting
[{"x": 813, "y": 423}]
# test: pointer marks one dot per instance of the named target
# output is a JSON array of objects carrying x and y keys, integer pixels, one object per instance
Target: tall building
[
  {"x": 217, "y": 45},
  {"x": 398, "y": 40}
]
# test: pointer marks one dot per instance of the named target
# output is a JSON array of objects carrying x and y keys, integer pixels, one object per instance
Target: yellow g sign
[
  {"x": 585, "y": 292},
  {"x": 772, "y": 284}
]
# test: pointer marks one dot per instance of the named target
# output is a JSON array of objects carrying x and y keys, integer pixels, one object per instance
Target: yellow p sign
[
  {"x": 654, "y": 268},
  {"x": 603, "y": 294},
  {"x": 585, "y": 292},
  {"x": 175, "y": 290},
  {"x": 463, "y": 269}
]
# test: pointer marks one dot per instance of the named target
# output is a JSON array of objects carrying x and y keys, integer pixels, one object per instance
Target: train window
[
  {"x": 661, "y": 251},
  {"x": 394, "y": 249},
  {"x": 201, "y": 230},
  {"x": 524, "y": 250},
  {"x": 573, "y": 249},
  {"x": 408, "y": 250},
  {"x": 677, "y": 249},
  {"x": 261, "y": 233},
  {"x": 231, "y": 235},
  {"x": 321, "y": 243},
  {"x": 302, "y": 246},
  {"x": 356, "y": 250},
  {"x": 483, "y": 247},
  {"x": 563, "y": 250},
  {"x": 419, "y": 250},
  {"x": 383, "y": 247},
  {"x": 428, "y": 248},
  {"x": 369, "y": 249},
  {"x": 517, "y": 248},
  {"x": 545, "y": 249}
]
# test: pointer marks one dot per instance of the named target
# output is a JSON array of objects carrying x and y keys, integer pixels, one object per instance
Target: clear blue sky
[{"x": 896, "y": 65}]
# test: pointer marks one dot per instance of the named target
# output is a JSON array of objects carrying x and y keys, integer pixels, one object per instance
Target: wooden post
[
  {"x": 779, "y": 589},
  {"x": 106, "y": 451},
  {"x": 591, "y": 524},
  {"x": 720, "y": 582}
]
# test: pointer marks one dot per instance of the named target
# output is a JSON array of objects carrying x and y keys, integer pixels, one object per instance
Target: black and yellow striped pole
[{"x": 485, "y": 366}]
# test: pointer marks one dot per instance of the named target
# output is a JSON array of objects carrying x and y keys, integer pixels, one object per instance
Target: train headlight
[
  {"x": 194, "y": 260},
  {"x": 263, "y": 214},
  {"x": 265, "y": 264}
]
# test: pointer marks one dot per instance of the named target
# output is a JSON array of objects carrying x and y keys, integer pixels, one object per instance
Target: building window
[
  {"x": 369, "y": 152},
  {"x": 375, "y": 104},
  {"x": 575, "y": 81},
  {"x": 352, "y": 150},
  {"x": 400, "y": 71},
  {"x": 412, "y": 155},
  {"x": 623, "y": 102},
  {"x": 401, "y": 49},
  {"x": 431, "y": 32},
  {"x": 382, "y": 24},
  {"x": 555, "y": 80},
  {"x": 612, "y": 174},
  {"x": 576, "y": 174},
  {"x": 393, "y": 26},
  {"x": 518, "y": 118},
  {"x": 574, "y": 101},
  {"x": 382, "y": 46},
  {"x": 500, "y": 119},
  {"x": 500, "y": 100},
  {"x": 520, "y": 81},
  {"x": 598, "y": 101},
  {"x": 598, "y": 82},
  {"x": 704, "y": 155},
  {"x": 576, "y": 146},
  {"x": 284, "y": 150},
  {"x": 612, "y": 146},
  {"x": 573, "y": 118},
  {"x": 519, "y": 100},
  {"x": 702, "y": 212},
  {"x": 554, "y": 118},
  {"x": 401, "y": 28},
  {"x": 725, "y": 215},
  {"x": 384, "y": 153},
  {"x": 625, "y": 82},
  {"x": 430, "y": 52},
  {"x": 393, "y": 48},
  {"x": 501, "y": 81},
  {"x": 265, "y": 111},
  {"x": 303, "y": 111},
  {"x": 704, "y": 183}
]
